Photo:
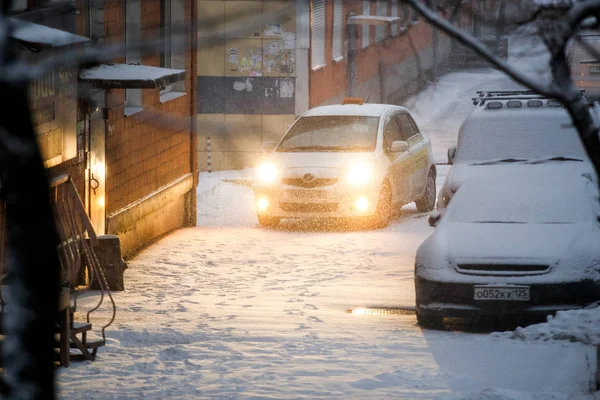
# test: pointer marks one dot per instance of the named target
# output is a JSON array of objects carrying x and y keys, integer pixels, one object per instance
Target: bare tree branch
[{"x": 471, "y": 42}]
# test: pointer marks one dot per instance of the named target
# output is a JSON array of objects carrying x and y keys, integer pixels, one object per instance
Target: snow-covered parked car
[
  {"x": 525, "y": 243},
  {"x": 353, "y": 160},
  {"x": 508, "y": 130}
]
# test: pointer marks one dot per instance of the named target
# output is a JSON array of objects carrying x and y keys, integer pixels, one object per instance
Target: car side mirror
[
  {"x": 399, "y": 146},
  {"x": 451, "y": 154},
  {"x": 268, "y": 147},
  {"x": 434, "y": 218}
]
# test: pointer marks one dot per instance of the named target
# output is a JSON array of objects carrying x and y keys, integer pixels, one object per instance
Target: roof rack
[{"x": 502, "y": 93}]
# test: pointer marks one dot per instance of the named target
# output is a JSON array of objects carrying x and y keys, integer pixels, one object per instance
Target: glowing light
[
  {"x": 100, "y": 201},
  {"x": 100, "y": 170},
  {"x": 362, "y": 204},
  {"x": 267, "y": 173},
  {"x": 359, "y": 311},
  {"x": 359, "y": 174},
  {"x": 262, "y": 204}
]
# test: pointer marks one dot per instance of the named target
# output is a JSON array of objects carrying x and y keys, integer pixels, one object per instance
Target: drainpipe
[
  {"x": 191, "y": 217},
  {"x": 351, "y": 34},
  {"x": 434, "y": 44}
]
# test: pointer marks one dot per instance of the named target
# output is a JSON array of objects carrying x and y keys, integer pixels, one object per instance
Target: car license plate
[
  {"x": 304, "y": 195},
  {"x": 503, "y": 293}
]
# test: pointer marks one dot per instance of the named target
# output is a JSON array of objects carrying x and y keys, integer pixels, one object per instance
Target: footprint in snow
[
  {"x": 294, "y": 311},
  {"x": 311, "y": 307},
  {"x": 302, "y": 327},
  {"x": 315, "y": 319}
]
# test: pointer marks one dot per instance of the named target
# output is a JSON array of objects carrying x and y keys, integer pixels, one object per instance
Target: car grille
[
  {"x": 312, "y": 184},
  {"x": 308, "y": 207},
  {"x": 502, "y": 269}
]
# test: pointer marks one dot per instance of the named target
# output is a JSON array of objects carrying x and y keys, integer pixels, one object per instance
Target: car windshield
[
  {"x": 521, "y": 137},
  {"x": 343, "y": 133},
  {"x": 520, "y": 203}
]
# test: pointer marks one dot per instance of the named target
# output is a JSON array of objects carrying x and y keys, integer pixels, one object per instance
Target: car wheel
[
  {"x": 383, "y": 213},
  {"x": 268, "y": 222},
  {"x": 427, "y": 202},
  {"x": 430, "y": 320}
]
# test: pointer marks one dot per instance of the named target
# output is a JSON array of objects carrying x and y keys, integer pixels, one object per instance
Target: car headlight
[
  {"x": 360, "y": 174},
  {"x": 267, "y": 173}
]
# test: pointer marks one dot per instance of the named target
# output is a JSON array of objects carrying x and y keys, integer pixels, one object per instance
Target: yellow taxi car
[{"x": 353, "y": 160}]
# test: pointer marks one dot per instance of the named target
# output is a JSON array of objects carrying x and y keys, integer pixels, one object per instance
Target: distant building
[{"x": 263, "y": 63}]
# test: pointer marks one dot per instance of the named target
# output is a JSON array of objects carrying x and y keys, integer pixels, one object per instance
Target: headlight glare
[
  {"x": 267, "y": 173},
  {"x": 359, "y": 174}
]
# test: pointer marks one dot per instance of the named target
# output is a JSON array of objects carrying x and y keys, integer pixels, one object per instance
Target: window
[
  {"x": 394, "y": 27},
  {"x": 391, "y": 132},
  {"x": 415, "y": 18},
  {"x": 342, "y": 133},
  {"x": 406, "y": 127},
  {"x": 366, "y": 29},
  {"x": 405, "y": 17},
  {"x": 172, "y": 55},
  {"x": 18, "y": 5},
  {"x": 317, "y": 28},
  {"x": 337, "y": 35},
  {"x": 381, "y": 30},
  {"x": 133, "y": 97}
]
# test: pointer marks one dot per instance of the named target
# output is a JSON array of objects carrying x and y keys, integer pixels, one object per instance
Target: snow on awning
[
  {"x": 43, "y": 36},
  {"x": 130, "y": 76}
]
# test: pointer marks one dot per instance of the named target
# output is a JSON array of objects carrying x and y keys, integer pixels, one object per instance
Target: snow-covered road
[
  {"x": 231, "y": 310},
  {"x": 242, "y": 312}
]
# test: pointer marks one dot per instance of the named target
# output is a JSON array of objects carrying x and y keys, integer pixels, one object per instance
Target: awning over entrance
[
  {"x": 130, "y": 76},
  {"x": 42, "y": 36}
]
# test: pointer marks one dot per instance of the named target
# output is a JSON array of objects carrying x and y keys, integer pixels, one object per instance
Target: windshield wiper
[
  {"x": 315, "y": 148},
  {"x": 308, "y": 148},
  {"x": 549, "y": 159},
  {"x": 500, "y": 222},
  {"x": 500, "y": 161},
  {"x": 355, "y": 148}
]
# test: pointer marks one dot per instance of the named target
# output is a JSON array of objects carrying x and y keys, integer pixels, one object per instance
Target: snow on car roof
[{"x": 366, "y": 110}]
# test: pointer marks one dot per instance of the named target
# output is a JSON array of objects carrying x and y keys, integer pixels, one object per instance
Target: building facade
[
  {"x": 259, "y": 71},
  {"x": 127, "y": 144},
  {"x": 252, "y": 76}
]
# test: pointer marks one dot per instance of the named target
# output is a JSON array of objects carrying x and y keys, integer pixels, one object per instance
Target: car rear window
[
  {"x": 332, "y": 133},
  {"x": 523, "y": 135}
]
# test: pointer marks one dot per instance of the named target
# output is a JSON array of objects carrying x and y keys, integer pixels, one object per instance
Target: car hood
[
  {"x": 319, "y": 164},
  {"x": 460, "y": 172},
  {"x": 474, "y": 242}
]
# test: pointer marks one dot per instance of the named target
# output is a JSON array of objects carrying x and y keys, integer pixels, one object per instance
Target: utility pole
[{"x": 435, "y": 43}]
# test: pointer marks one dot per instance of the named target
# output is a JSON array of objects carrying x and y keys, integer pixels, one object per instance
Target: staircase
[{"x": 72, "y": 342}]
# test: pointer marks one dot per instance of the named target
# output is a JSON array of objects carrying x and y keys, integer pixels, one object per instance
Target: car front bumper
[
  {"x": 457, "y": 299},
  {"x": 335, "y": 201}
]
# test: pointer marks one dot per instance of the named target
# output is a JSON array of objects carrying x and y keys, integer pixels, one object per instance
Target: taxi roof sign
[{"x": 352, "y": 100}]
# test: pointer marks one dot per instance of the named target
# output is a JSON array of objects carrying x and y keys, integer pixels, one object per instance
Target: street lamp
[{"x": 352, "y": 33}]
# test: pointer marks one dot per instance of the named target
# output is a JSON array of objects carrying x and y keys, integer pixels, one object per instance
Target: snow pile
[
  {"x": 224, "y": 199},
  {"x": 502, "y": 394},
  {"x": 572, "y": 325}
]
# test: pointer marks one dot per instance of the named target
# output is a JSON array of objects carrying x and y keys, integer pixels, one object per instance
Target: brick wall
[
  {"x": 384, "y": 56},
  {"x": 150, "y": 149}
]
